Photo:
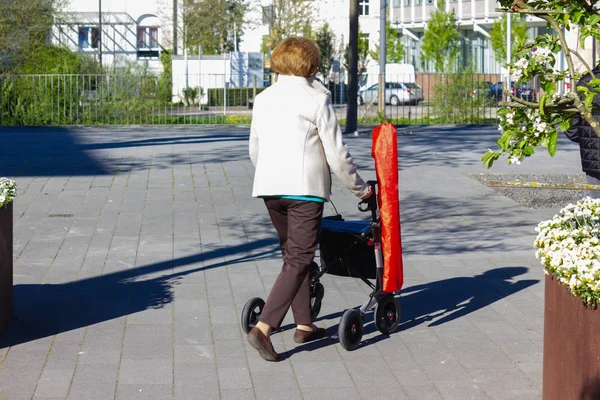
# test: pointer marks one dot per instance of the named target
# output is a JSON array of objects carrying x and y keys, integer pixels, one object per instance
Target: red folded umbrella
[{"x": 385, "y": 153}]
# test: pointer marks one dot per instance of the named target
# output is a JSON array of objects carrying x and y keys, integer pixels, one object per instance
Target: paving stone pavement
[{"x": 136, "y": 248}]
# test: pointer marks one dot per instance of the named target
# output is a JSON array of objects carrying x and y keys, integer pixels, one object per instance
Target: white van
[{"x": 403, "y": 73}]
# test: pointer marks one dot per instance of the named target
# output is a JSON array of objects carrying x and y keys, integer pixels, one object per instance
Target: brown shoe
[
  {"x": 301, "y": 336},
  {"x": 263, "y": 344}
]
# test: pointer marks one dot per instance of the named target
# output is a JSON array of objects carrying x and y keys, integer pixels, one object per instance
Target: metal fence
[{"x": 126, "y": 99}]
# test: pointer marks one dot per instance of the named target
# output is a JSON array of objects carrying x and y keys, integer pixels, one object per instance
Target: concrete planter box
[
  {"x": 6, "y": 265},
  {"x": 571, "y": 346}
]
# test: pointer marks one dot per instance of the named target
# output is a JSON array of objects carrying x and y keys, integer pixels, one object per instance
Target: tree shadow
[
  {"x": 59, "y": 151},
  {"x": 435, "y": 303},
  {"x": 49, "y": 309}
]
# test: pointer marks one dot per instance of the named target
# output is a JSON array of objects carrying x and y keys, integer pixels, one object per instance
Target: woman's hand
[{"x": 368, "y": 195}]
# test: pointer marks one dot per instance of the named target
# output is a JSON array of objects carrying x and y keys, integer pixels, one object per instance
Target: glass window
[
  {"x": 84, "y": 38},
  {"x": 147, "y": 37},
  {"x": 88, "y": 37},
  {"x": 95, "y": 37},
  {"x": 412, "y": 85},
  {"x": 363, "y": 7}
]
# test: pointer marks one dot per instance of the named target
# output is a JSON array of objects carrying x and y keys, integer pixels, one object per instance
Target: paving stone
[
  {"x": 167, "y": 245},
  {"x": 54, "y": 382},
  {"x": 144, "y": 392},
  {"x": 153, "y": 372},
  {"x": 94, "y": 382}
]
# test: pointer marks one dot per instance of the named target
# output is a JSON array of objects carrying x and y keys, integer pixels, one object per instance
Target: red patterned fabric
[{"x": 385, "y": 153}]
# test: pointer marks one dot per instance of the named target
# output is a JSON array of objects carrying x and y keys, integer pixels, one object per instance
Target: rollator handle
[{"x": 368, "y": 204}]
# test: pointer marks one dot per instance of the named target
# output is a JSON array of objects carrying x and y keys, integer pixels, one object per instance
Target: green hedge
[{"x": 238, "y": 97}]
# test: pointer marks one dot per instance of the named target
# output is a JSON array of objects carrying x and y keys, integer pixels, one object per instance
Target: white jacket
[{"x": 295, "y": 140}]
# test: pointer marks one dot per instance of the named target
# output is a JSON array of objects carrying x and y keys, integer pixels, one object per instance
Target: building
[
  {"x": 134, "y": 30},
  {"x": 474, "y": 18}
]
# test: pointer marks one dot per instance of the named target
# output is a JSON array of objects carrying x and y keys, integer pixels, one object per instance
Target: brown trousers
[{"x": 298, "y": 224}]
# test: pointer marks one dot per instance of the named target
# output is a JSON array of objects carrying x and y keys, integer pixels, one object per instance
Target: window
[
  {"x": 363, "y": 7},
  {"x": 86, "y": 40},
  {"x": 147, "y": 37}
]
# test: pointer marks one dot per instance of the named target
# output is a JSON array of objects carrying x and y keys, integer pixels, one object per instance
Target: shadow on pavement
[
  {"x": 49, "y": 309},
  {"x": 436, "y": 302},
  {"x": 77, "y": 151},
  {"x": 44, "y": 152}
]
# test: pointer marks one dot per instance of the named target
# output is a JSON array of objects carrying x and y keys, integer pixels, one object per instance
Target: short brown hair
[{"x": 296, "y": 56}]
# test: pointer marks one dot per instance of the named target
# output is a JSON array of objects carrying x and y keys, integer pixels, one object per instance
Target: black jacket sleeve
[{"x": 573, "y": 132}]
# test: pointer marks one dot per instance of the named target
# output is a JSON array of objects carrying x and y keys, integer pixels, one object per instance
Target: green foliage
[
  {"x": 56, "y": 60},
  {"x": 363, "y": 52},
  {"x": 238, "y": 97},
  {"x": 192, "y": 95},
  {"x": 324, "y": 40},
  {"x": 23, "y": 28},
  {"x": 527, "y": 125},
  {"x": 211, "y": 24},
  {"x": 498, "y": 36},
  {"x": 453, "y": 98},
  {"x": 394, "y": 47},
  {"x": 287, "y": 18},
  {"x": 440, "y": 43}
]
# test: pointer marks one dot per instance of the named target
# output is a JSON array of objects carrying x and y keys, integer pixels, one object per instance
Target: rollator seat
[{"x": 357, "y": 227}]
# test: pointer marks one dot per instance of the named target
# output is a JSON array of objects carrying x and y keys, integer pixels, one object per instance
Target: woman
[{"x": 295, "y": 141}]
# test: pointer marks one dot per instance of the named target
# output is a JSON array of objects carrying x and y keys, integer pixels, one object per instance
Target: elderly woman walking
[{"x": 295, "y": 141}]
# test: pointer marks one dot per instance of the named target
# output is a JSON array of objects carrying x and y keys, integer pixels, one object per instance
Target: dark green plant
[{"x": 324, "y": 40}]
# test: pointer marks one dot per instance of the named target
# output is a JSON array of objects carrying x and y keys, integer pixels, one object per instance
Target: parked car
[
  {"x": 523, "y": 90},
  {"x": 482, "y": 88},
  {"x": 396, "y": 93}
]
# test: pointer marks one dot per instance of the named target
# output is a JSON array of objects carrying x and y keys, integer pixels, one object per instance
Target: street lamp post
[{"x": 100, "y": 32}]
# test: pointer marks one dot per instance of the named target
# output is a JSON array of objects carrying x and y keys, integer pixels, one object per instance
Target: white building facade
[{"x": 133, "y": 30}]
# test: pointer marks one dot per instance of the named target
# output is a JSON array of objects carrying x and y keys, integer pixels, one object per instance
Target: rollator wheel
[
  {"x": 350, "y": 329},
  {"x": 387, "y": 315},
  {"x": 316, "y": 297},
  {"x": 251, "y": 313}
]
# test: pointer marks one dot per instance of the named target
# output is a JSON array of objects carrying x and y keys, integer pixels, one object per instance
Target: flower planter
[
  {"x": 6, "y": 265},
  {"x": 571, "y": 345}
]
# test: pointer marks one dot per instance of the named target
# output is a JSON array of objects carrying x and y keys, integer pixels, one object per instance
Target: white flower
[
  {"x": 513, "y": 159},
  {"x": 569, "y": 248},
  {"x": 8, "y": 190},
  {"x": 541, "y": 54}
]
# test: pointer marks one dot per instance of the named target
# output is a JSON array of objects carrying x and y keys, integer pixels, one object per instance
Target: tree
[
  {"x": 324, "y": 40},
  {"x": 526, "y": 125},
  {"x": 287, "y": 18},
  {"x": 24, "y": 26},
  {"x": 498, "y": 35},
  {"x": 363, "y": 52},
  {"x": 394, "y": 47},
  {"x": 216, "y": 25},
  {"x": 440, "y": 43}
]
